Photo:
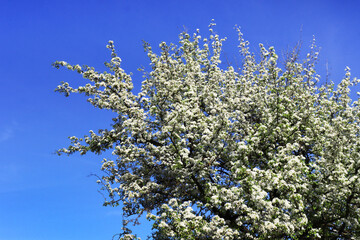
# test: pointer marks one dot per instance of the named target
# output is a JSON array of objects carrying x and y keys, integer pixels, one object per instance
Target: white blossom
[{"x": 207, "y": 152}]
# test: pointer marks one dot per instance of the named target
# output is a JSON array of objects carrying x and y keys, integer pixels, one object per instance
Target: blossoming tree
[{"x": 260, "y": 152}]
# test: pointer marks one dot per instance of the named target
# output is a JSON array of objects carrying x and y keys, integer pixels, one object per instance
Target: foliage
[{"x": 260, "y": 152}]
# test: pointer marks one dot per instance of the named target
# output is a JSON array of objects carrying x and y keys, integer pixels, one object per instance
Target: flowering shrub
[{"x": 260, "y": 152}]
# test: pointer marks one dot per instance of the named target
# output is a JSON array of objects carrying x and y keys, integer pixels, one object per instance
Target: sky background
[{"x": 47, "y": 197}]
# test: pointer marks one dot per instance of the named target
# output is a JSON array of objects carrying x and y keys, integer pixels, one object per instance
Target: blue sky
[{"x": 46, "y": 197}]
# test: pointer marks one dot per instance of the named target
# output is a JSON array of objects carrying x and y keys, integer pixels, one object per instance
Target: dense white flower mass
[{"x": 259, "y": 152}]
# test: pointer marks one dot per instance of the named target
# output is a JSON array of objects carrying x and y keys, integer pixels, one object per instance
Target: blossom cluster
[{"x": 256, "y": 152}]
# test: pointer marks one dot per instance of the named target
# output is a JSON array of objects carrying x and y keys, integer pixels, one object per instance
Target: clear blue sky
[{"x": 46, "y": 197}]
